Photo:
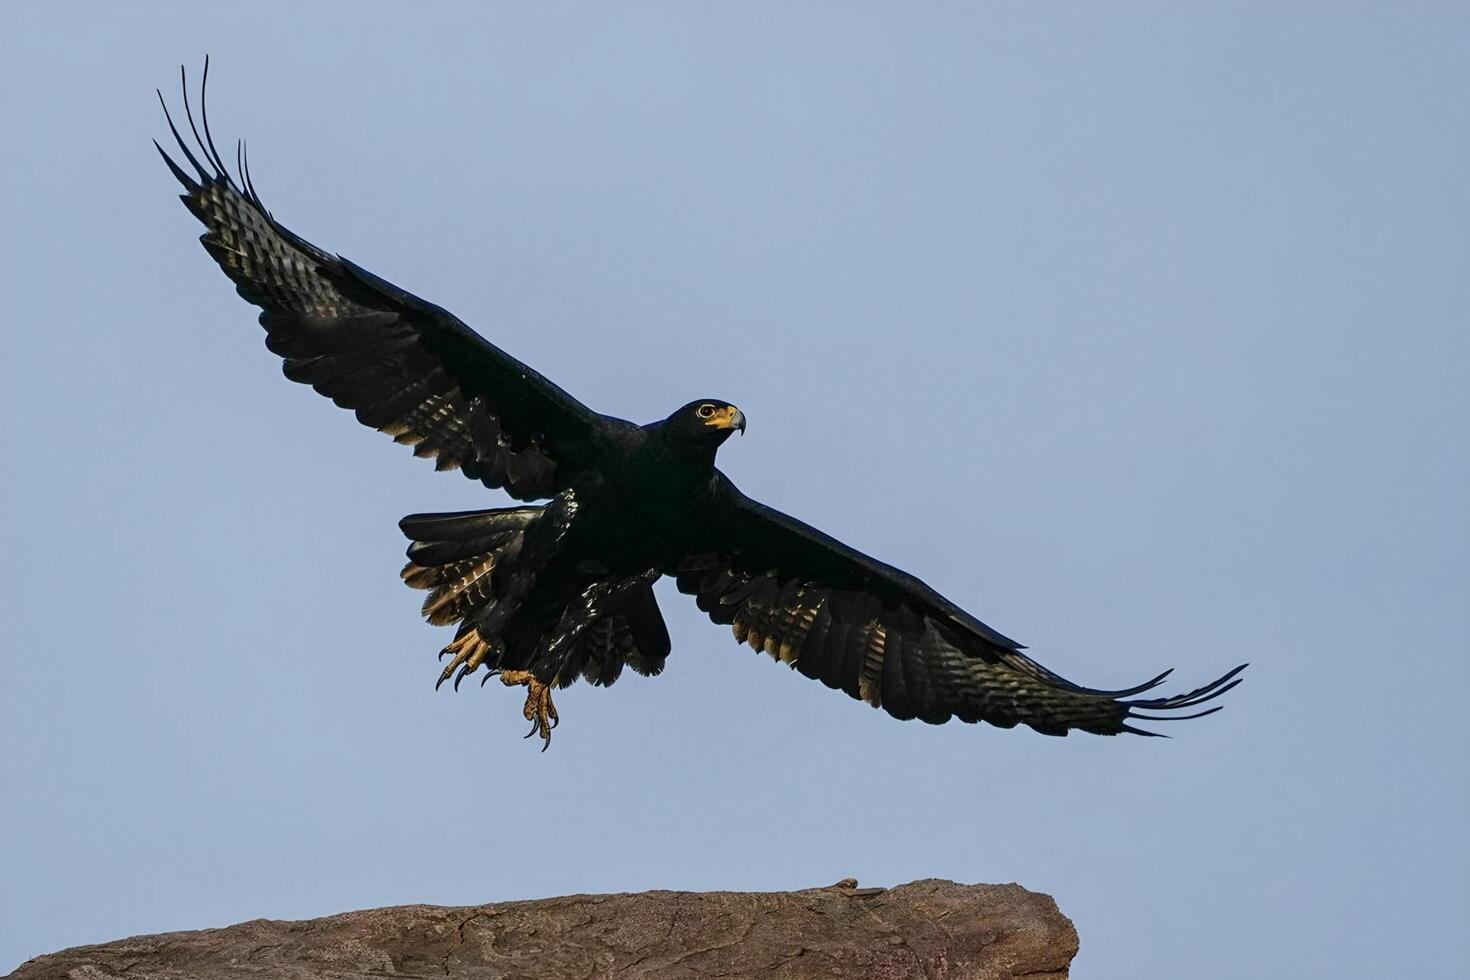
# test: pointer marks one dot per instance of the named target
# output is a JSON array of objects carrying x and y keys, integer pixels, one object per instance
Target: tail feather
[
  {"x": 649, "y": 640},
  {"x": 444, "y": 539},
  {"x": 467, "y": 562},
  {"x": 454, "y": 557},
  {"x": 634, "y": 635},
  {"x": 456, "y": 589},
  {"x": 459, "y": 525}
]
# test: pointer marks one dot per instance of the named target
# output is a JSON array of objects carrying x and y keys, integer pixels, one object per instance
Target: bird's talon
[
  {"x": 538, "y": 709},
  {"x": 470, "y": 651}
]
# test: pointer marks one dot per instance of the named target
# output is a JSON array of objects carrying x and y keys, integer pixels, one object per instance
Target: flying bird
[{"x": 562, "y": 588}]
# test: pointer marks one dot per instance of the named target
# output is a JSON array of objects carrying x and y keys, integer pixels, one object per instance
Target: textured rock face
[{"x": 929, "y": 929}]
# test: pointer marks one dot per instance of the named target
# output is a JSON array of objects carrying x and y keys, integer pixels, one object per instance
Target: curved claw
[
  {"x": 539, "y": 726},
  {"x": 538, "y": 709},
  {"x": 469, "y": 650}
]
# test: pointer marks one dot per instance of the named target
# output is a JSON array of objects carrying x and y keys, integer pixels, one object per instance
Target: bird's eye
[{"x": 706, "y": 411}]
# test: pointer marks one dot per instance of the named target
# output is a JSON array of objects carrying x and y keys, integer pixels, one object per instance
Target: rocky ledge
[{"x": 930, "y": 929}]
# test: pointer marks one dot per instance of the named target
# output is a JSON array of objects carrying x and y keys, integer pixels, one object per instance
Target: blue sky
[{"x": 1140, "y": 332}]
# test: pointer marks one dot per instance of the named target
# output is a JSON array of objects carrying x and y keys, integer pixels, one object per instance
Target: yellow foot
[
  {"x": 539, "y": 710},
  {"x": 470, "y": 651}
]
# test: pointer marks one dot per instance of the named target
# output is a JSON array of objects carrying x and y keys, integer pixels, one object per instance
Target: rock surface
[{"x": 930, "y": 929}]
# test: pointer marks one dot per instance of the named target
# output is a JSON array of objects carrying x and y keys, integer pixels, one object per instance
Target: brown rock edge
[{"x": 931, "y": 929}]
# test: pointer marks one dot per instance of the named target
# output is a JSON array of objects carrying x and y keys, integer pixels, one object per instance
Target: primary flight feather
[{"x": 541, "y": 595}]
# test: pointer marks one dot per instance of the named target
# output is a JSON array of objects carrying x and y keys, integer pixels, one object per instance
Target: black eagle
[{"x": 545, "y": 594}]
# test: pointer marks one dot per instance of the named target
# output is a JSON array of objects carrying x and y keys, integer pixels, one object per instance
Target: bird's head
[{"x": 708, "y": 421}]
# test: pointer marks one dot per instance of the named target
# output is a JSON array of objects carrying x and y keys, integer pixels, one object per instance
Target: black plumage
[{"x": 545, "y": 594}]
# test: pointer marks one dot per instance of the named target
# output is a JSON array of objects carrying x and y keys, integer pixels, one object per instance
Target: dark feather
[
  {"x": 404, "y": 365},
  {"x": 881, "y": 635},
  {"x": 417, "y": 373}
]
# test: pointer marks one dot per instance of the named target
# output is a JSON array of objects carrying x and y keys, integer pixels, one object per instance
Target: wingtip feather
[
  {"x": 1190, "y": 699},
  {"x": 189, "y": 184},
  {"x": 204, "y": 176}
]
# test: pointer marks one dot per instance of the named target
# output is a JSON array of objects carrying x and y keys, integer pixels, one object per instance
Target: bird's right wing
[
  {"x": 882, "y": 636},
  {"x": 402, "y": 364}
]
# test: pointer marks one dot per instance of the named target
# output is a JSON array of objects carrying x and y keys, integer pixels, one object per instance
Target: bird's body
[
  {"x": 596, "y": 548},
  {"x": 546, "y": 593}
]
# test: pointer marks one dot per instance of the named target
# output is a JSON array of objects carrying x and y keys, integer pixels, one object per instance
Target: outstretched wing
[
  {"x": 405, "y": 366},
  {"x": 883, "y": 636}
]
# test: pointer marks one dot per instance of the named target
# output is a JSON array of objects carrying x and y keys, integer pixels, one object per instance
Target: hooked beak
[{"x": 727, "y": 418}]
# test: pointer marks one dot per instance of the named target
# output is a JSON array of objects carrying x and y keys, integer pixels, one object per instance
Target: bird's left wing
[
  {"x": 883, "y": 636},
  {"x": 402, "y": 364}
]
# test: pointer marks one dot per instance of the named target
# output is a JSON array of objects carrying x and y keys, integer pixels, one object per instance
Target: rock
[{"x": 928, "y": 929}]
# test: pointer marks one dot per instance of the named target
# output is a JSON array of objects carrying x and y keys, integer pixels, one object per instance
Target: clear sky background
[{"x": 1140, "y": 331}]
